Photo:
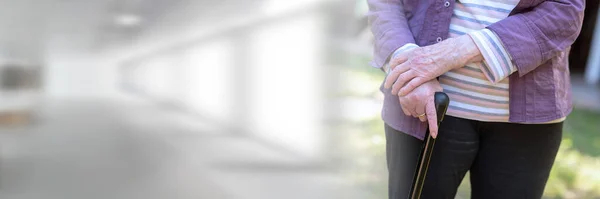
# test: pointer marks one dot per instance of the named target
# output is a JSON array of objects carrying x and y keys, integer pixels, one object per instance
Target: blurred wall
[
  {"x": 255, "y": 70},
  {"x": 74, "y": 65},
  {"x": 592, "y": 73},
  {"x": 79, "y": 76}
]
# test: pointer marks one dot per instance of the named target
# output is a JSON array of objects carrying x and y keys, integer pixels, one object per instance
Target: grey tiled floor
[{"x": 100, "y": 149}]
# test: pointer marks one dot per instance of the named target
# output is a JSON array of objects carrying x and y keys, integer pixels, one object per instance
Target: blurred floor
[{"x": 100, "y": 149}]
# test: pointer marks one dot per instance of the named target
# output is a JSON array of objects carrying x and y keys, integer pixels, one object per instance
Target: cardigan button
[
  {"x": 439, "y": 39},
  {"x": 447, "y": 4}
]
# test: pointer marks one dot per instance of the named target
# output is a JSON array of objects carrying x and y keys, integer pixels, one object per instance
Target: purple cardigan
[{"x": 537, "y": 34}]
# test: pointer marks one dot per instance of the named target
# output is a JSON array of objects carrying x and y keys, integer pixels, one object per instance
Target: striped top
[{"x": 479, "y": 91}]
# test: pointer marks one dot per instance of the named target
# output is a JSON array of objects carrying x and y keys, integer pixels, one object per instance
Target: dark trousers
[{"x": 505, "y": 160}]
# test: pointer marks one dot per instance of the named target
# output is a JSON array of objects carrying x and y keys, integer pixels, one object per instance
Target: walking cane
[{"x": 441, "y": 105}]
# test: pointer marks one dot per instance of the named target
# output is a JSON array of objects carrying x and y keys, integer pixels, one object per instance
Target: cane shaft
[{"x": 441, "y": 105}]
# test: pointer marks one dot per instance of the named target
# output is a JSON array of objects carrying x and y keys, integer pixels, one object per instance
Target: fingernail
[{"x": 434, "y": 135}]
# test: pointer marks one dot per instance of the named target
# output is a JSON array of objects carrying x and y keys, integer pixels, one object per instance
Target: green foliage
[
  {"x": 576, "y": 171},
  {"x": 583, "y": 128}
]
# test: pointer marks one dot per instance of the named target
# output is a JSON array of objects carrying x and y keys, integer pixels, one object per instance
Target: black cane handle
[{"x": 441, "y": 101}]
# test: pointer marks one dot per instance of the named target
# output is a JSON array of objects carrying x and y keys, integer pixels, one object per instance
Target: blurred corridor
[{"x": 166, "y": 99}]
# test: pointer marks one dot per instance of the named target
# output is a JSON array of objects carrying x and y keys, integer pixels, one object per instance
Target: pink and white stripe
[{"x": 479, "y": 91}]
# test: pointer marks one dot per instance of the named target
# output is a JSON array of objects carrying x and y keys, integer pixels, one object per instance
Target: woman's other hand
[{"x": 415, "y": 67}]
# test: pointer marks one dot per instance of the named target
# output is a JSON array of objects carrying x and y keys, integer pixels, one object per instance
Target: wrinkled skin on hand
[
  {"x": 415, "y": 67},
  {"x": 421, "y": 100}
]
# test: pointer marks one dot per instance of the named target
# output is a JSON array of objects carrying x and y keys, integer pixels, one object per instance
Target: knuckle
[
  {"x": 400, "y": 78},
  {"x": 402, "y": 101},
  {"x": 413, "y": 97},
  {"x": 395, "y": 85},
  {"x": 410, "y": 86},
  {"x": 394, "y": 90},
  {"x": 407, "y": 104}
]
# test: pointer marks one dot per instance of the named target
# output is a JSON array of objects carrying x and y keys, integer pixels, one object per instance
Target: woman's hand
[
  {"x": 413, "y": 68},
  {"x": 420, "y": 104}
]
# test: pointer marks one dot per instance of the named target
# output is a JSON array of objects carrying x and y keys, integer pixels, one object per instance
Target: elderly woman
[{"x": 504, "y": 65}]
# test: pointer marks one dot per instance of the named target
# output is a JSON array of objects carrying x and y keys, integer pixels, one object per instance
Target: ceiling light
[{"x": 128, "y": 20}]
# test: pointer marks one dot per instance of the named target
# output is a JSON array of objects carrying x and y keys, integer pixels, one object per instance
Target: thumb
[{"x": 431, "y": 117}]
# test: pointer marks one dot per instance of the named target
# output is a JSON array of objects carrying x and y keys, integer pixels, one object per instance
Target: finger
[
  {"x": 420, "y": 109},
  {"x": 411, "y": 85},
  {"x": 408, "y": 107},
  {"x": 399, "y": 59},
  {"x": 391, "y": 77},
  {"x": 404, "y": 109},
  {"x": 412, "y": 112},
  {"x": 432, "y": 118},
  {"x": 402, "y": 79},
  {"x": 404, "y": 106}
]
